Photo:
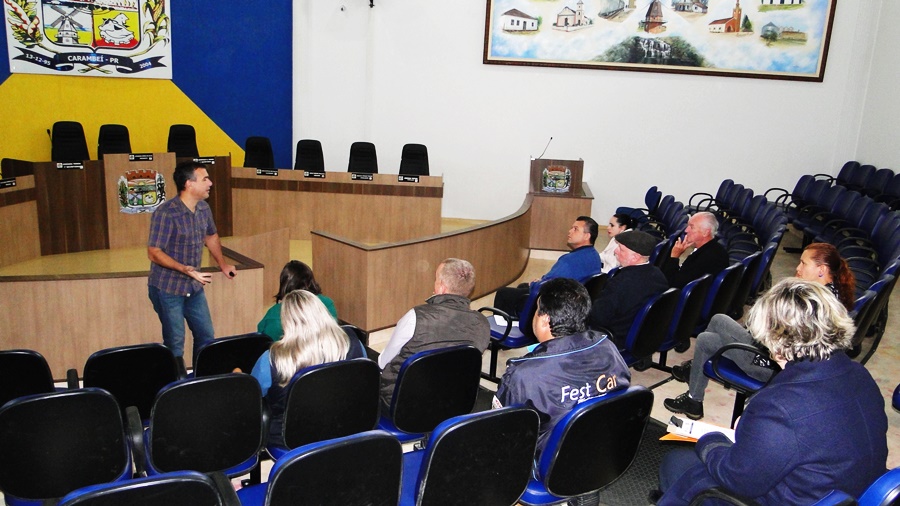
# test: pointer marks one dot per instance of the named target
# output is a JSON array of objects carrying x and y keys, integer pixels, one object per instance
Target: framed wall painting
[{"x": 767, "y": 39}]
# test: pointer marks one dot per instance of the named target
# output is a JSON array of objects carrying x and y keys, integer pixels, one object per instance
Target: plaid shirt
[{"x": 181, "y": 234}]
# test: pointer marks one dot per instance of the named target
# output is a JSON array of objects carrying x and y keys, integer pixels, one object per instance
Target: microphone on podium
[{"x": 545, "y": 149}]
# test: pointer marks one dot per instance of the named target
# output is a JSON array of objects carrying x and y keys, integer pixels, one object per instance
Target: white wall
[
  {"x": 408, "y": 71},
  {"x": 879, "y": 139}
]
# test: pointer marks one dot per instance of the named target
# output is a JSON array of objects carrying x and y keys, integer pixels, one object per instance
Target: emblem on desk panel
[
  {"x": 141, "y": 191},
  {"x": 556, "y": 179},
  {"x": 94, "y": 37}
]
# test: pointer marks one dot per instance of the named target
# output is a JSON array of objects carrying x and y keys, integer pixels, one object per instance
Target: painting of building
[
  {"x": 654, "y": 22},
  {"x": 515, "y": 20},
  {"x": 569, "y": 20},
  {"x": 728, "y": 25},
  {"x": 698, "y": 6},
  {"x": 770, "y": 28},
  {"x": 609, "y": 8}
]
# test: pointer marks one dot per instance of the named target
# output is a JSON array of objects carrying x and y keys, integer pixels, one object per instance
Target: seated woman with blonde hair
[
  {"x": 311, "y": 337},
  {"x": 819, "y": 425}
]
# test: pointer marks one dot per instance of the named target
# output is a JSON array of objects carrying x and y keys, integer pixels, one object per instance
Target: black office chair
[
  {"x": 209, "y": 424},
  {"x": 414, "y": 160},
  {"x": 328, "y": 401},
  {"x": 595, "y": 284},
  {"x": 363, "y": 158},
  {"x": 113, "y": 139},
  {"x": 225, "y": 354},
  {"x": 431, "y": 387},
  {"x": 309, "y": 156},
  {"x": 359, "y": 470},
  {"x": 58, "y": 442},
  {"x": 23, "y": 372},
  {"x": 590, "y": 447},
  {"x": 258, "y": 153},
  {"x": 179, "y": 488},
  {"x": 480, "y": 458},
  {"x": 182, "y": 141},
  {"x": 132, "y": 374},
  {"x": 67, "y": 143}
]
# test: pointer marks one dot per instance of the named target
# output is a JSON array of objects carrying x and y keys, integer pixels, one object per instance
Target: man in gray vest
[{"x": 444, "y": 320}]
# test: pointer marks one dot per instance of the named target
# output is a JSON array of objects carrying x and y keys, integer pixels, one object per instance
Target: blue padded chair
[
  {"x": 179, "y": 488},
  {"x": 876, "y": 317},
  {"x": 363, "y": 158},
  {"x": 595, "y": 284},
  {"x": 209, "y": 424},
  {"x": 23, "y": 372},
  {"x": 895, "y": 400},
  {"x": 58, "y": 442},
  {"x": 432, "y": 386},
  {"x": 721, "y": 294},
  {"x": 890, "y": 193},
  {"x": 481, "y": 458},
  {"x": 649, "y": 329},
  {"x": 132, "y": 374},
  {"x": 590, "y": 447},
  {"x": 225, "y": 354},
  {"x": 877, "y": 182},
  {"x": 884, "y": 492},
  {"x": 702, "y": 201},
  {"x": 725, "y": 371},
  {"x": 359, "y": 470},
  {"x": 684, "y": 319},
  {"x": 651, "y": 203},
  {"x": 514, "y": 332},
  {"x": 328, "y": 401},
  {"x": 846, "y": 172},
  {"x": 720, "y": 495},
  {"x": 751, "y": 265},
  {"x": 309, "y": 156}
]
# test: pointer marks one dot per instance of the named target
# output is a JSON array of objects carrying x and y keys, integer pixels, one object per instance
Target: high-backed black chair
[
  {"x": 721, "y": 294},
  {"x": 363, "y": 158},
  {"x": 23, "y": 372},
  {"x": 414, "y": 160},
  {"x": 209, "y": 424},
  {"x": 309, "y": 156},
  {"x": 480, "y": 458},
  {"x": 67, "y": 143},
  {"x": 132, "y": 374},
  {"x": 179, "y": 488},
  {"x": 258, "y": 153},
  {"x": 55, "y": 443},
  {"x": 590, "y": 447},
  {"x": 595, "y": 284},
  {"x": 431, "y": 387},
  {"x": 225, "y": 354},
  {"x": 359, "y": 470},
  {"x": 182, "y": 141},
  {"x": 328, "y": 401},
  {"x": 113, "y": 139}
]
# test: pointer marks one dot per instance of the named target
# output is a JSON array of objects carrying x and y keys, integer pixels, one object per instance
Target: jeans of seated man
[{"x": 173, "y": 310}]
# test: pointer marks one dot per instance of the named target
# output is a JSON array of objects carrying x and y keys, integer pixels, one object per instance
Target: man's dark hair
[
  {"x": 567, "y": 303},
  {"x": 184, "y": 172},
  {"x": 592, "y": 227}
]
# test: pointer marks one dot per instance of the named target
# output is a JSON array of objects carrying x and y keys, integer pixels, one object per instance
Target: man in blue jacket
[
  {"x": 579, "y": 264},
  {"x": 570, "y": 365}
]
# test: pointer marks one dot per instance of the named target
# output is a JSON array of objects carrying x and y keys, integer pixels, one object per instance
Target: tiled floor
[{"x": 719, "y": 401}]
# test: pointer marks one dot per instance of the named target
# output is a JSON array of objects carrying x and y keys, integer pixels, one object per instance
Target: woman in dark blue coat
[{"x": 818, "y": 425}]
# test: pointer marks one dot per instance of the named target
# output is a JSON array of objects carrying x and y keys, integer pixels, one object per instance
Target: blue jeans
[{"x": 173, "y": 310}]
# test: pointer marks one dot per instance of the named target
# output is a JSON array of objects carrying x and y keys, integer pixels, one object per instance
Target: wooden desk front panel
[
  {"x": 552, "y": 215},
  {"x": 68, "y": 320},
  {"x": 71, "y": 208},
  {"x": 19, "y": 237},
  {"x": 370, "y": 212},
  {"x": 374, "y": 286}
]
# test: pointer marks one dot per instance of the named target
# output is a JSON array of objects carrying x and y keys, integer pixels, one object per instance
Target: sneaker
[
  {"x": 682, "y": 372},
  {"x": 684, "y": 404}
]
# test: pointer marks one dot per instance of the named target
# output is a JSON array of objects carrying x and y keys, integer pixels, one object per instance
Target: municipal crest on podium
[
  {"x": 115, "y": 38},
  {"x": 141, "y": 191}
]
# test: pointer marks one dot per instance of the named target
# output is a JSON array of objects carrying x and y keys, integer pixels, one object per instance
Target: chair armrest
[
  {"x": 72, "y": 379},
  {"x": 826, "y": 177},
  {"x": 225, "y": 488},
  {"x": 507, "y": 317},
  {"x": 135, "y": 435},
  {"x": 721, "y": 494},
  {"x": 744, "y": 347},
  {"x": 707, "y": 196}
]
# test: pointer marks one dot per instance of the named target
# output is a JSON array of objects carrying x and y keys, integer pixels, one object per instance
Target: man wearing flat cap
[{"x": 630, "y": 288}]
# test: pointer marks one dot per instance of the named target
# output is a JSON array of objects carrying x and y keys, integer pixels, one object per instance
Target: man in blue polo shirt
[
  {"x": 179, "y": 228},
  {"x": 579, "y": 264}
]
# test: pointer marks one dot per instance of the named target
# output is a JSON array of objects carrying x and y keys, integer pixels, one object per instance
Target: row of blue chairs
[{"x": 880, "y": 184}]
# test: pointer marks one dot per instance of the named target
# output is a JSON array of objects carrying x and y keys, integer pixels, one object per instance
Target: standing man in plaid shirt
[{"x": 178, "y": 230}]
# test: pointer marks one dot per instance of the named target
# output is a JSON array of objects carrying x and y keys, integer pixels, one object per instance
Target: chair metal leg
[
  {"x": 740, "y": 399},
  {"x": 491, "y": 375}
]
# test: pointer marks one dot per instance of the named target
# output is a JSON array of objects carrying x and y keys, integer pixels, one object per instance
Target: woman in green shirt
[{"x": 296, "y": 275}]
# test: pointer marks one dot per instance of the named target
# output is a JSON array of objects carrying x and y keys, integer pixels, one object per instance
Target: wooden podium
[{"x": 559, "y": 197}]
